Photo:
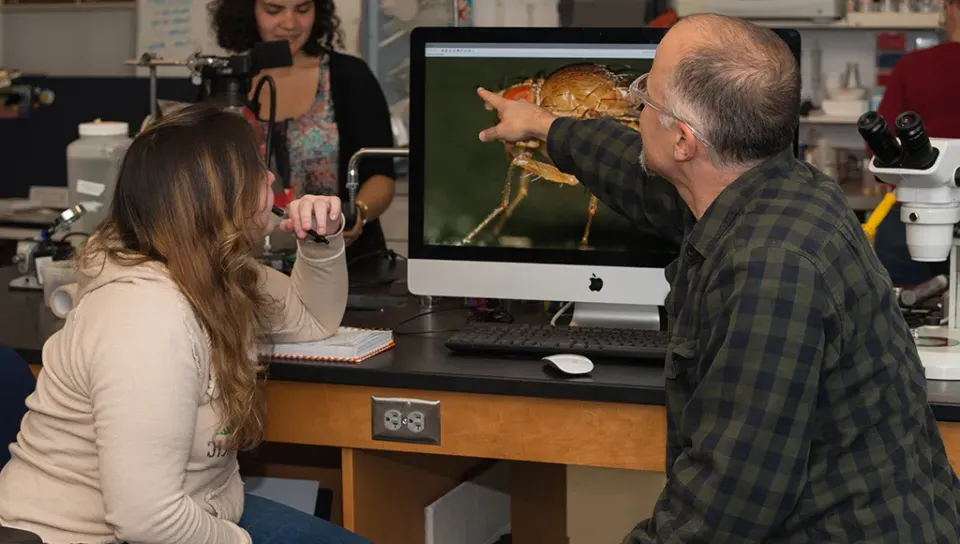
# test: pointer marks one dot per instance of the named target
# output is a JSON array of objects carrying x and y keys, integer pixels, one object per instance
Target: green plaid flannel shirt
[{"x": 796, "y": 402}]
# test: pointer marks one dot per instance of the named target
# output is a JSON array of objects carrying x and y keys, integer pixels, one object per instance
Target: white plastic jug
[{"x": 93, "y": 164}]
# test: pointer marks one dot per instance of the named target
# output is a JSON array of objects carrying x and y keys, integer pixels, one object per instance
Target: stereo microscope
[{"x": 926, "y": 173}]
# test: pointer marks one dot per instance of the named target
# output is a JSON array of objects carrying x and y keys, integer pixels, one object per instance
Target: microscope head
[
  {"x": 926, "y": 172},
  {"x": 7, "y": 77}
]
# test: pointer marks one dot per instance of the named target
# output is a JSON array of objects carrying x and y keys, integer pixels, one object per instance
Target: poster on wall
[{"x": 174, "y": 30}]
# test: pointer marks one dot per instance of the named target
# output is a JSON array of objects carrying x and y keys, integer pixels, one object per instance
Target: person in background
[
  {"x": 329, "y": 105},
  {"x": 925, "y": 81},
  {"x": 150, "y": 388},
  {"x": 796, "y": 402}
]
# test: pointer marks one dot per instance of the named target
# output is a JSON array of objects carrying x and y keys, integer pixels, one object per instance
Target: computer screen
[
  {"x": 499, "y": 220},
  {"x": 510, "y": 195}
]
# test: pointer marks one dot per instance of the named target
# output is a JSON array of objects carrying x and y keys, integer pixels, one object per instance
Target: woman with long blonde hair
[{"x": 150, "y": 388}]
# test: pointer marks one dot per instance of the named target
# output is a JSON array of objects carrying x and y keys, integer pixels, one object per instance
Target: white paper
[{"x": 90, "y": 188}]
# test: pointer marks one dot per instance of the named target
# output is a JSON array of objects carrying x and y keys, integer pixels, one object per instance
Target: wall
[
  {"x": 93, "y": 39},
  {"x": 838, "y": 47},
  {"x": 69, "y": 40}
]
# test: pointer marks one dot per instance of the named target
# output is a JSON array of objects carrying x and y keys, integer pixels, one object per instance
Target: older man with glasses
[{"x": 796, "y": 402}]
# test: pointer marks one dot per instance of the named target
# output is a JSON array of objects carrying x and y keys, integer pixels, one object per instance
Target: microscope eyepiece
[
  {"x": 917, "y": 151},
  {"x": 909, "y": 120},
  {"x": 873, "y": 129}
]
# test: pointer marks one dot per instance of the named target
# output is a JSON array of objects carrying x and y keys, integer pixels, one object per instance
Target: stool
[{"x": 16, "y": 536}]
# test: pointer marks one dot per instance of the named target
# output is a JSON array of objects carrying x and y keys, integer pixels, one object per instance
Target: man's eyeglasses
[{"x": 638, "y": 90}]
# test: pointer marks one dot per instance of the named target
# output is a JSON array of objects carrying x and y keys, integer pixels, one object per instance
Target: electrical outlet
[
  {"x": 393, "y": 420},
  {"x": 405, "y": 420},
  {"x": 415, "y": 421}
]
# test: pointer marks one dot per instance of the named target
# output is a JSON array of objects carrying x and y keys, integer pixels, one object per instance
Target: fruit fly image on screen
[
  {"x": 582, "y": 90},
  {"x": 502, "y": 194}
]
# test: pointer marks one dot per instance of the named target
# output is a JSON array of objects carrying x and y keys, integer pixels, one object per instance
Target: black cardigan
[{"x": 363, "y": 120}]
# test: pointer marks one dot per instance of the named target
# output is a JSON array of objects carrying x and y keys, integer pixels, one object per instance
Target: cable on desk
[
  {"x": 62, "y": 238},
  {"x": 425, "y": 314},
  {"x": 560, "y": 312},
  {"x": 485, "y": 314}
]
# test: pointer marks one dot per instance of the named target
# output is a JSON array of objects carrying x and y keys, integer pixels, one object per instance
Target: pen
[{"x": 278, "y": 211}]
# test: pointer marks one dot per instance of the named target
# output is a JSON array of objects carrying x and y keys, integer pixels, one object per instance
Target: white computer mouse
[{"x": 570, "y": 363}]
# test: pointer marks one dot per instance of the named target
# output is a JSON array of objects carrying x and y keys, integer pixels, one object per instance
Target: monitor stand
[{"x": 620, "y": 316}]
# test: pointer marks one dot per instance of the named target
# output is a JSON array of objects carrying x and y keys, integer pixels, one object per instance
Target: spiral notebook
[{"x": 349, "y": 345}]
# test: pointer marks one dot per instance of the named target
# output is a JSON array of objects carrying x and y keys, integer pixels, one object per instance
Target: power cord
[
  {"x": 73, "y": 234},
  {"x": 485, "y": 314},
  {"x": 421, "y": 315},
  {"x": 560, "y": 312},
  {"x": 271, "y": 119}
]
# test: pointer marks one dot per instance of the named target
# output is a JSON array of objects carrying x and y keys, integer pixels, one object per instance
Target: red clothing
[{"x": 926, "y": 81}]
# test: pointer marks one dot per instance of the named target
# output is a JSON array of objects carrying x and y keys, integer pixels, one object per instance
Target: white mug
[
  {"x": 63, "y": 299},
  {"x": 53, "y": 274}
]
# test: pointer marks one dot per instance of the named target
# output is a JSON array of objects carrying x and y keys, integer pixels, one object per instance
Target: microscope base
[
  {"x": 28, "y": 282},
  {"x": 939, "y": 349}
]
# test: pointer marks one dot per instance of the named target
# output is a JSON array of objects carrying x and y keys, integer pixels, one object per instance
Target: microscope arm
[
  {"x": 878, "y": 215},
  {"x": 7, "y": 77}
]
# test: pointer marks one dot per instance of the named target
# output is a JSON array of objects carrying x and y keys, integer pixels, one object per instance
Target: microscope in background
[
  {"x": 227, "y": 82},
  {"x": 18, "y": 101},
  {"x": 7, "y": 77},
  {"x": 926, "y": 173},
  {"x": 224, "y": 80},
  {"x": 32, "y": 255}
]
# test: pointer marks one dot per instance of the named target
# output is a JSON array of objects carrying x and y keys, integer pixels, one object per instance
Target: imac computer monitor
[{"x": 480, "y": 227}]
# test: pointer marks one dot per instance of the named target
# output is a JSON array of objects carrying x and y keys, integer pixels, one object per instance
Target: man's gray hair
[{"x": 740, "y": 88}]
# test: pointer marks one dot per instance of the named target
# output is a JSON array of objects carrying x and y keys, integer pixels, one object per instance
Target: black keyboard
[{"x": 541, "y": 340}]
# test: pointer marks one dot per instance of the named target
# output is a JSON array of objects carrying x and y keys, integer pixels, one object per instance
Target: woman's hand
[{"x": 317, "y": 212}]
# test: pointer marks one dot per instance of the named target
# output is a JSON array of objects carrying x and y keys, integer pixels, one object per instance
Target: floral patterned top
[{"x": 312, "y": 143}]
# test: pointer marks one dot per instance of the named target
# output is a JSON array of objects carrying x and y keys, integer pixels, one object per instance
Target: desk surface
[
  {"x": 36, "y": 217},
  {"x": 421, "y": 361}
]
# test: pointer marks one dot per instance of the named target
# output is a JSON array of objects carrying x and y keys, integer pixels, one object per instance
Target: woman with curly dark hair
[{"x": 329, "y": 105}]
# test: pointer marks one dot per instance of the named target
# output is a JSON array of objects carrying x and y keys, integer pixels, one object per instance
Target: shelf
[
  {"x": 67, "y": 6},
  {"x": 819, "y": 118},
  {"x": 866, "y": 21},
  {"x": 894, "y": 21}
]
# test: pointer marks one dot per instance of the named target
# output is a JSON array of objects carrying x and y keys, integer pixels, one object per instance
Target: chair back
[
  {"x": 16, "y": 384},
  {"x": 16, "y": 536}
]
